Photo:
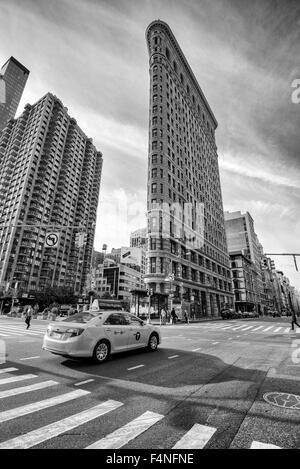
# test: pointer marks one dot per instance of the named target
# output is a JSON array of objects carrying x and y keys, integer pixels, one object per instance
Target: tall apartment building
[
  {"x": 187, "y": 253},
  {"x": 50, "y": 174},
  {"x": 13, "y": 80},
  {"x": 241, "y": 237}
]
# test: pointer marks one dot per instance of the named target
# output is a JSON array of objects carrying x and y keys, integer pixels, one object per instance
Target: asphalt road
[{"x": 210, "y": 385}]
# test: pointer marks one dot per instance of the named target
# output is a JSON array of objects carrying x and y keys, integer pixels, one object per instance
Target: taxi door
[
  {"x": 117, "y": 331},
  {"x": 138, "y": 333}
]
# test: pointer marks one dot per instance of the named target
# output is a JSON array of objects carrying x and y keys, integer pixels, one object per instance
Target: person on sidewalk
[
  {"x": 28, "y": 316},
  {"x": 294, "y": 320},
  {"x": 163, "y": 317},
  {"x": 186, "y": 318},
  {"x": 173, "y": 316}
]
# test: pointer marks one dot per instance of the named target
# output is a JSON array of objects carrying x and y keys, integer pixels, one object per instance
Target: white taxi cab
[{"x": 98, "y": 334}]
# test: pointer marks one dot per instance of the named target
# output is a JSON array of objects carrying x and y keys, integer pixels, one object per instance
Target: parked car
[
  {"x": 227, "y": 313},
  {"x": 97, "y": 334},
  {"x": 238, "y": 315}
]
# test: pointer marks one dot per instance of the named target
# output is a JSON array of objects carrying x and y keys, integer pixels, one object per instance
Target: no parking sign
[{"x": 52, "y": 239}]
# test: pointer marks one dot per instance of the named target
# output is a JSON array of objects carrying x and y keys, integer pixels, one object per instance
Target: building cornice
[{"x": 167, "y": 29}]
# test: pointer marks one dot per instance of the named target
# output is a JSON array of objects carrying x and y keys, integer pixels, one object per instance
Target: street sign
[{"x": 52, "y": 239}]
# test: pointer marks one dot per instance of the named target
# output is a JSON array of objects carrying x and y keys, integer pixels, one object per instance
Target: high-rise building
[
  {"x": 187, "y": 253},
  {"x": 50, "y": 174},
  {"x": 242, "y": 238},
  {"x": 13, "y": 80}
]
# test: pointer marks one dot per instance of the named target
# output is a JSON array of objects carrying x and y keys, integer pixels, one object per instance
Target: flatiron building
[{"x": 184, "y": 193}]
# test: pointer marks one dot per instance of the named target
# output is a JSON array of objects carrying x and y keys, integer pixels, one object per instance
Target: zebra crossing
[
  {"x": 11, "y": 330},
  {"x": 196, "y": 437},
  {"x": 255, "y": 328}
]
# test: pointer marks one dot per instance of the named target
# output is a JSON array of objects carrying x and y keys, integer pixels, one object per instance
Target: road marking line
[
  {"x": 196, "y": 437},
  {"x": 239, "y": 327},
  {"x": 24, "y": 389},
  {"x": 42, "y": 434},
  {"x": 20, "y": 331},
  {"x": 173, "y": 356},
  {"x": 84, "y": 382},
  {"x": 7, "y": 370},
  {"x": 29, "y": 358},
  {"x": 195, "y": 349},
  {"x": 256, "y": 329},
  {"x": 215, "y": 343},
  {"x": 10, "y": 333},
  {"x": 278, "y": 329},
  {"x": 4, "y": 335},
  {"x": 128, "y": 432},
  {"x": 36, "y": 406},
  {"x": 14, "y": 379},
  {"x": 246, "y": 328},
  {"x": 134, "y": 367},
  {"x": 287, "y": 329},
  {"x": 259, "y": 445},
  {"x": 268, "y": 328}
]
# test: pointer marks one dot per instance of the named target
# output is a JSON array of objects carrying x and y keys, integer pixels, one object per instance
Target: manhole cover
[{"x": 283, "y": 399}]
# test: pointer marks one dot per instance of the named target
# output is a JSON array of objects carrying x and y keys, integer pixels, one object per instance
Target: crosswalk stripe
[
  {"x": 29, "y": 358},
  {"x": 10, "y": 333},
  {"x": 42, "y": 434},
  {"x": 196, "y": 437},
  {"x": 247, "y": 328},
  {"x": 8, "y": 370},
  {"x": 29, "y": 388},
  {"x": 22, "y": 325},
  {"x": 278, "y": 329},
  {"x": 4, "y": 335},
  {"x": 15, "y": 379},
  {"x": 128, "y": 432},
  {"x": 268, "y": 328},
  {"x": 44, "y": 404},
  {"x": 236, "y": 328},
  {"x": 259, "y": 445},
  {"x": 256, "y": 329},
  {"x": 8, "y": 329},
  {"x": 287, "y": 329}
]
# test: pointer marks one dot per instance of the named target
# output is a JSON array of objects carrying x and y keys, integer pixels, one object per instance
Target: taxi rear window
[{"x": 82, "y": 317}]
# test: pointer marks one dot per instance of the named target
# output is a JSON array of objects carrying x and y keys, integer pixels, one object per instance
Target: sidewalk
[{"x": 156, "y": 321}]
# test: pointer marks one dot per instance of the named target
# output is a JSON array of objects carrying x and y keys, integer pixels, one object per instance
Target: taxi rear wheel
[
  {"x": 153, "y": 343},
  {"x": 101, "y": 351}
]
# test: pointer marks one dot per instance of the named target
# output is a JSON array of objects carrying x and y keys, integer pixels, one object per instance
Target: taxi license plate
[{"x": 56, "y": 335}]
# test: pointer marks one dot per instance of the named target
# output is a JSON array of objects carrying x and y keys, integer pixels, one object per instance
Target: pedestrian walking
[
  {"x": 173, "y": 316},
  {"x": 294, "y": 320},
  {"x": 163, "y": 316},
  {"x": 28, "y": 316},
  {"x": 186, "y": 318}
]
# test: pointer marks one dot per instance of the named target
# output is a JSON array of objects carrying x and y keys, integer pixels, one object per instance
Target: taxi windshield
[{"x": 83, "y": 317}]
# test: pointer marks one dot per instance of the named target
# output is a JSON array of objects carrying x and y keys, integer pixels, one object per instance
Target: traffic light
[
  {"x": 80, "y": 239},
  {"x": 264, "y": 264}
]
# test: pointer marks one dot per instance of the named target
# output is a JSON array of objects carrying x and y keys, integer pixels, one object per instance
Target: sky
[{"x": 92, "y": 54}]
